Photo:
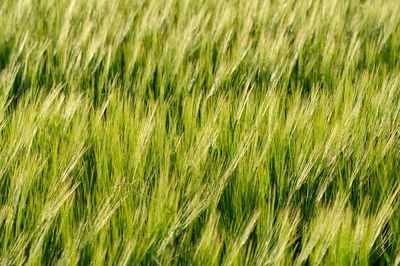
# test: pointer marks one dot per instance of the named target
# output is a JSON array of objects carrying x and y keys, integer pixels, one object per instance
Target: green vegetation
[{"x": 211, "y": 132}]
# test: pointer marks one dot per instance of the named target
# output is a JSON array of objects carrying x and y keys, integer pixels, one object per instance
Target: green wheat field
[{"x": 199, "y": 132}]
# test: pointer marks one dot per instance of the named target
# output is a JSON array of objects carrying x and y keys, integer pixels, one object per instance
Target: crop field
[{"x": 199, "y": 132}]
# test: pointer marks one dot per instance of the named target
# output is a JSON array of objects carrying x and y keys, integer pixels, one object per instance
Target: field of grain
[{"x": 199, "y": 132}]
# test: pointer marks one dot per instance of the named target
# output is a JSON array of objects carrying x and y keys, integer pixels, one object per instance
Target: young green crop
[{"x": 207, "y": 132}]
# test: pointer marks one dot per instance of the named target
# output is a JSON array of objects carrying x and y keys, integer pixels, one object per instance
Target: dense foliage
[{"x": 262, "y": 132}]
